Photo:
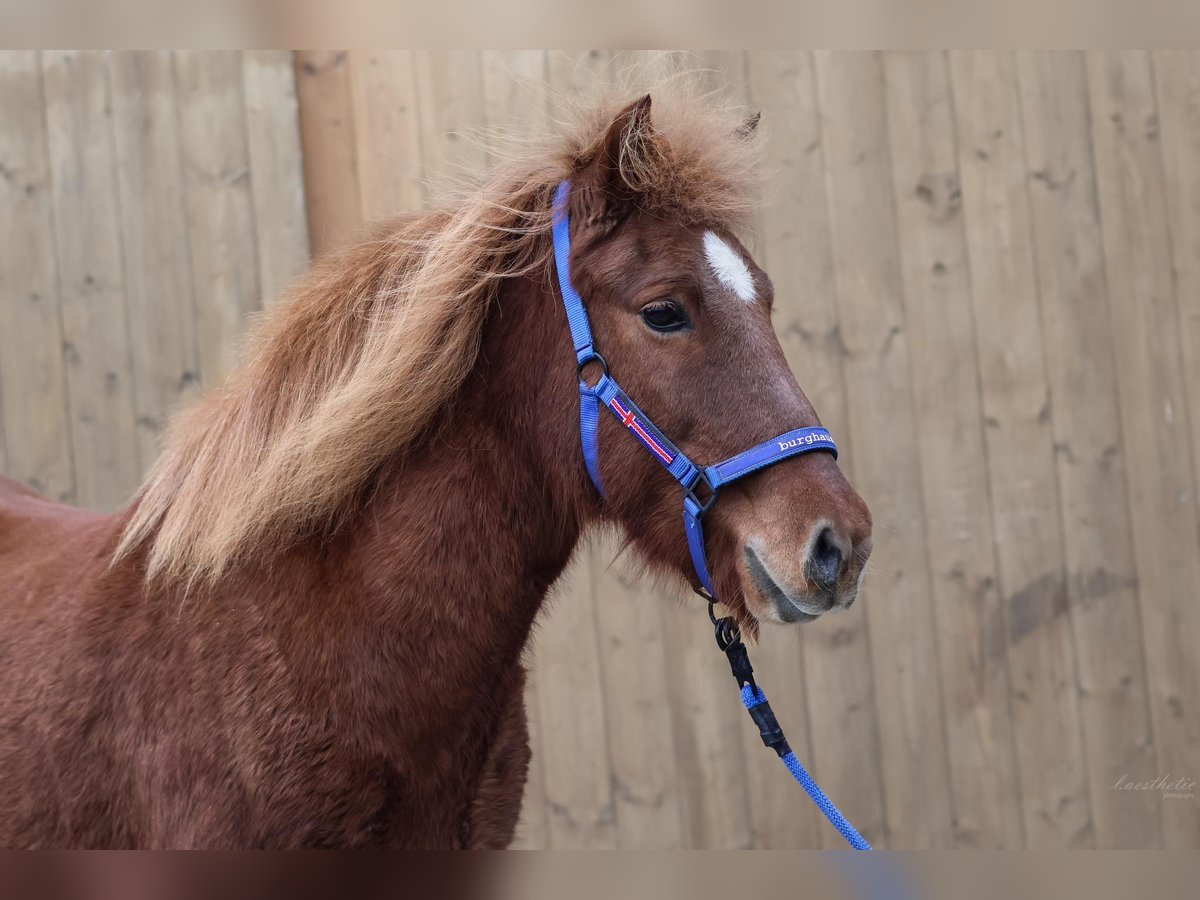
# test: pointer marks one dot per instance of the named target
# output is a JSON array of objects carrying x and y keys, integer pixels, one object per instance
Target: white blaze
[{"x": 729, "y": 267}]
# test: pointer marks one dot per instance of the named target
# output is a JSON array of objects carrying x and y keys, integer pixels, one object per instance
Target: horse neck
[
  {"x": 438, "y": 580},
  {"x": 492, "y": 502}
]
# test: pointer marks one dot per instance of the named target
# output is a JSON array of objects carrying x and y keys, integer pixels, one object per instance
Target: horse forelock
[{"x": 353, "y": 365}]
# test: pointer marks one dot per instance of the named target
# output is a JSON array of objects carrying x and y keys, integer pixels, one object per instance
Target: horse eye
[{"x": 665, "y": 316}]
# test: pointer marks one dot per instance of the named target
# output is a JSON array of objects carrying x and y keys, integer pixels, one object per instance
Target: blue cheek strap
[{"x": 701, "y": 486}]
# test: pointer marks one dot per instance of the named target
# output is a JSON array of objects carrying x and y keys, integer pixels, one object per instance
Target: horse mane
[{"x": 359, "y": 357}]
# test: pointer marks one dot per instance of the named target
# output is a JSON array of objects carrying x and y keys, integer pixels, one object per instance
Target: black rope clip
[{"x": 729, "y": 642}]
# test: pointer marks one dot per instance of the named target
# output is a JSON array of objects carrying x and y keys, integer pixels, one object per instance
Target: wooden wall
[
  {"x": 148, "y": 202},
  {"x": 988, "y": 279}
]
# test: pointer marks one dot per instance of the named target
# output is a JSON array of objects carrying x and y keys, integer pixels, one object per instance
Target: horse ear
[
  {"x": 605, "y": 195},
  {"x": 746, "y": 130}
]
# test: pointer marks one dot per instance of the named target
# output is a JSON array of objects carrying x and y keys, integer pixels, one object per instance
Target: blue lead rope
[{"x": 753, "y": 698}]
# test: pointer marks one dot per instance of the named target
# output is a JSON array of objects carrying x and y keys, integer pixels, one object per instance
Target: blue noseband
[{"x": 701, "y": 485}]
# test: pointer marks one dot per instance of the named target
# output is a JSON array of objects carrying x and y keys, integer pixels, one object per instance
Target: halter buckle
[{"x": 702, "y": 506}]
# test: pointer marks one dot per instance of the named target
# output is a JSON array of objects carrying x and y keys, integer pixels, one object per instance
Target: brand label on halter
[{"x": 805, "y": 440}]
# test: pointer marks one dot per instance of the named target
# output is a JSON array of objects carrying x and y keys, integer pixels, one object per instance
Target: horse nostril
[{"x": 826, "y": 559}]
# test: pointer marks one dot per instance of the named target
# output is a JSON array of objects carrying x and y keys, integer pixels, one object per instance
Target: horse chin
[{"x": 778, "y": 604}]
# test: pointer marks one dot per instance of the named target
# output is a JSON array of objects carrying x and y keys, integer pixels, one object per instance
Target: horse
[{"x": 307, "y": 628}]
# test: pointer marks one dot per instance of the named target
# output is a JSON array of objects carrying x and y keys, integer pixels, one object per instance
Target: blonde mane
[{"x": 357, "y": 360}]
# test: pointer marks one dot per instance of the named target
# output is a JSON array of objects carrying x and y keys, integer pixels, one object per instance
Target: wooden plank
[
  {"x": 882, "y": 449},
  {"x": 576, "y": 75},
  {"x": 971, "y": 646},
  {"x": 1133, "y": 192},
  {"x": 37, "y": 426},
  {"x": 91, "y": 279},
  {"x": 642, "y": 750},
  {"x": 1101, "y": 573},
  {"x": 514, "y": 92},
  {"x": 533, "y": 826},
  {"x": 277, "y": 177},
  {"x": 157, "y": 265},
  {"x": 793, "y": 246},
  {"x": 500, "y": 108},
  {"x": 1023, "y": 480},
  {"x": 328, "y": 136},
  {"x": 1177, "y": 85},
  {"x": 451, "y": 116},
  {"x": 387, "y": 132},
  {"x": 3, "y": 440},
  {"x": 581, "y": 804},
  {"x": 220, "y": 209},
  {"x": 570, "y": 694},
  {"x": 776, "y": 820},
  {"x": 708, "y": 723},
  {"x": 641, "y": 743}
]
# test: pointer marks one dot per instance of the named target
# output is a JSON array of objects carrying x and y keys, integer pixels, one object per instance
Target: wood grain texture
[
  {"x": 708, "y": 723},
  {"x": 1088, "y": 450},
  {"x": 158, "y": 275},
  {"x": 220, "y": 207},
  {"x": 796, "y": 251},
  {"x": 91, "y": 279},
  {"x": 329, "y": 137},
  {"x": 276, "y": 170},
  {"x": 882, "y": 450},
  {"x": 383, "y": 94},
  {"x": 987, "y": 277},
  {"x": 936, "y": 279},
  {"x": 37, "y": 427},
  {"x": 1133, "y": 191},
  {"x": 1017, "y": 419}
]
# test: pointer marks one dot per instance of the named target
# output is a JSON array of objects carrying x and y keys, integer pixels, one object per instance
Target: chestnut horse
[{"x": 306, "y": 631}]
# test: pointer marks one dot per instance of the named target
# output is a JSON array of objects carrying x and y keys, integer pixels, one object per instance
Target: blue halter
[{"x": 701, "y": 486}]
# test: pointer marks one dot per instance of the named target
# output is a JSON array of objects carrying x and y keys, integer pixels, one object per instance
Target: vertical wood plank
[
  {"x": 644, "y": 767},
  {"x": 1101, "y": 574},
  {"x": 514, "y": 91},
  {"x": 451, "y": 114},
  {"x": 387, "y": 132},
  {"x": 328, "y": 136},
  {"x": 881, "y": 446},
  {"x": 793, "y": 247},
  {"x": 37, "y": 427},
  {"x": 971, "y": 642},
  {"x": 158, "y": 278},
  {"x": 91, "y": 279},
  {"x": 533, "y": 826},
  {"x": 220, "y": 209},
  {"x": 503, "y": 108},
  {"x": 1177, "y": 86},
  {"x": 277, "y": 176},
  {"x": 579, "y": 783},
  {"x": 628, "y": 628},
  {"x": 641, "y": 740},
  {"x": 708, "y": 723},
  {"x": 1024, "y": 486},
  {"x": 1154, "y": 415},
  {"x": 776, "y": 821},
  {"x": 570, "y": 694}
]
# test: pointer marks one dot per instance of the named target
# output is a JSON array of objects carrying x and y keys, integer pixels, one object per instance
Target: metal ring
[{"x": 584, "y": 363}]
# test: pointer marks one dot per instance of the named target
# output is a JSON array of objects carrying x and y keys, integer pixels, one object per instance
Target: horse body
[
  {"x": 307, "y": 629},
  {"x": 338, "y": 695}
]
